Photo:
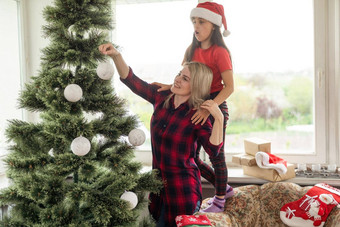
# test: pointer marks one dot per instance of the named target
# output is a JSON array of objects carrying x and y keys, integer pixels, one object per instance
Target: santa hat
[
  {"x": 269, "y": 161},
  {"x": 212, "y": 12}
]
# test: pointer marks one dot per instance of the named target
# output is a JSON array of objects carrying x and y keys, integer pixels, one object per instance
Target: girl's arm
[
  {"x": 162, "y": 87},
  {"x": 228, "y": 81},
  {"x": 202, "y": 115},
  {"x": 216, "y": 136},
  {"x": 211, "y": 136}
]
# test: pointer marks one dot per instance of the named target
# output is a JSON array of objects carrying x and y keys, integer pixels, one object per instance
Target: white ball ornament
[
  {"x": 105, "y": 70},
  {"x": 80, "y": 146},
  {"x": 136, "y": 137},
  {"x": 131, "y": 198},
  {"x": 71, "y": 30},
  {"x": 73, "y": 93},
  {"x": 74, "y": 31},
  {"x": 50, "y": 152}
]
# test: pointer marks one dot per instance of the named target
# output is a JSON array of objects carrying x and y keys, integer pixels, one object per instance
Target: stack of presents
[{"x": 257, "y": 161}]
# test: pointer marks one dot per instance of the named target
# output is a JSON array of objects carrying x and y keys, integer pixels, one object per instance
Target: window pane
[
  {"x": 153, "y": 44},
  {"x": 10, "y": 67},
  {"x": 271, "y": 44}
]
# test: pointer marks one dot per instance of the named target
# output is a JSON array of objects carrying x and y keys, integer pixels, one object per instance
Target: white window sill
[{"x": 236, "y": 176}]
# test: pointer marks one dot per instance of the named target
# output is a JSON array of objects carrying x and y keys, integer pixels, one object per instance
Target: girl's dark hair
[{"x": 216, "y": 38}]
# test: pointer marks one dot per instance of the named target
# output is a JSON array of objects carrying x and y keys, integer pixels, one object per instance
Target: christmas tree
[{"x": 74, "y": 167}]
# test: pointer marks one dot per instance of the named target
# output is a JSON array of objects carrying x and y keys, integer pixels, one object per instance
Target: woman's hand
[
  {"x": 108, "y": 49},
  {"x": 200, "y": 116},
  {"x": 163, "y": 87},
  {"x": 212, "y": 108}
]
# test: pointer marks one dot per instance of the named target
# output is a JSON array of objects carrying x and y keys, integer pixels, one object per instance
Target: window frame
[
  {"x": 326, "y": 84},
  {"x": 327, "y": 68},
  {"x": 320, "y": 93}
]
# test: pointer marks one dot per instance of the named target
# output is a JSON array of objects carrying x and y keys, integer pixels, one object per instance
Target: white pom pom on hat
[
  {"x": 226, "y": 33},
  {"x": 212, "y": 12}
]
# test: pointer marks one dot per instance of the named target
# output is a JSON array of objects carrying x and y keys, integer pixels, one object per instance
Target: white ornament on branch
[
  {"x": 72, "y": 30},
  {"x": 136, "y": 137},
  {"x": 131, "y": 198},
  {"x": 80, "y": 146},
  {"x": 73, "y": 93},
  {"x": 50, "y": 152},
  {"x": 105, "y": 70}
]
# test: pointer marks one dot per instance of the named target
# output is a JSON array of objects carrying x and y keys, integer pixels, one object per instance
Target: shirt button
[{"x": 164, "y": 126}]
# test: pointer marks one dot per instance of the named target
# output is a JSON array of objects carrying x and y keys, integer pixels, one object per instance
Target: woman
[
  {"x": 208, "y": 47},
  {"x": 173, "y": 136}
]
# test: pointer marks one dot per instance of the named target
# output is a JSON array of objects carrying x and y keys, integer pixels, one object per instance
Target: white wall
[{"x": 32, "y": 19}]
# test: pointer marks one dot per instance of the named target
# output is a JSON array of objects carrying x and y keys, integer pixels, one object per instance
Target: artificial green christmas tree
[{"x": 74, "y": 167}]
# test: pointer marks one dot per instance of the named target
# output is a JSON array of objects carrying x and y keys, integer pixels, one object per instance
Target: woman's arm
[
  {"x": 122, "y": 67},
  {"x": 138, "y": 86}
]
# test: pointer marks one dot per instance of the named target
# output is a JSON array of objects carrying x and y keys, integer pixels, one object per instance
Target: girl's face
[
  {"x": 181, "y": 85},
  {"x": 202, "y": 28}
]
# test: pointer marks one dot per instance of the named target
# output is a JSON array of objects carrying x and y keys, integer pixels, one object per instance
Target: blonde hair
[{"x": 200, "y": 84}]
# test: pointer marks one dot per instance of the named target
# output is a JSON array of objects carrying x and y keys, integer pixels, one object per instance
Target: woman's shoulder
[{"x": 161, "y": 96}]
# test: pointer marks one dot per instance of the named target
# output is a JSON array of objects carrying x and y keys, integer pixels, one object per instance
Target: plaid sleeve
[
  {"x": 203, "y": 134},
  {"x": 140, "y": 87}
]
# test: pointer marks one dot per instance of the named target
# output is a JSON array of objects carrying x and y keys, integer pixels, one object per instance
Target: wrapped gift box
[
  {"x": 244, "y": 160},
  {"x": 254, "y": 145},
  {"x": 269, "y": 174}
]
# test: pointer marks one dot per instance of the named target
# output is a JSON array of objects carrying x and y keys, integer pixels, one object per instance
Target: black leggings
[{"x": 218, "y": 175}]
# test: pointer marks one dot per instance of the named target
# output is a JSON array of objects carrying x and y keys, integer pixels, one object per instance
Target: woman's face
[
  {"x": 181, "y": 85},
  {"x": 202, "y": 28}
]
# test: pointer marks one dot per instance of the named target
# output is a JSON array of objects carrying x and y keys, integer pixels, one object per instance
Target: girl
[
  {"x": 174, "y": 137},
  {"x": 209, "y": 48}
]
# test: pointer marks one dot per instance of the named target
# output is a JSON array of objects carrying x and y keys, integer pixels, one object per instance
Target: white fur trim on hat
[
  {"x": 207, "y": 14},
  {"x": 262, "y": 160}
]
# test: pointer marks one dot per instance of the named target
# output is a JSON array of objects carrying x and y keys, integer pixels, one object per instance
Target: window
[
  {"x": 10, "y": 80},
  {"x": 281, "y": 75},
  {"x": 153, "y": 45}
]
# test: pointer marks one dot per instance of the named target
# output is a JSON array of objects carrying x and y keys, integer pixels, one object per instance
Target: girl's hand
[
  {"x": 108, "y": 49},
  {"x": 163, "y": 87},
  {"x": 200, "y": 116},
  {"x": 212, "y": 107}
]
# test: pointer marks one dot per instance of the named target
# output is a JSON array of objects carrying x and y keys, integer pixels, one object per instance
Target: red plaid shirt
[{"x": 173, "y": 140}]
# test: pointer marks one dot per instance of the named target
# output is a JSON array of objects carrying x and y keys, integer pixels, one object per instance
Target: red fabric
[
  {"x": 174, "y": 140},
  {"x": 218, "y": 60},
  {"x": 313, "y": 208},
  {"x": 273, "y": 159},
  {"x": 189, "y": 220}
]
